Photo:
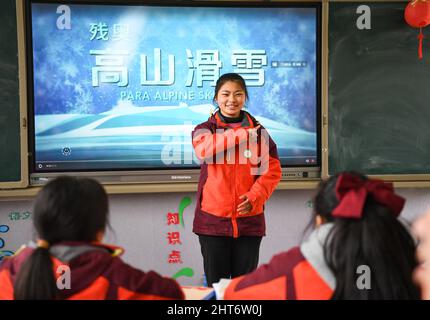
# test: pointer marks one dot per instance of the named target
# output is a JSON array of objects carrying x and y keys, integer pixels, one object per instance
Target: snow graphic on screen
[{"x": 122, "y": 87}]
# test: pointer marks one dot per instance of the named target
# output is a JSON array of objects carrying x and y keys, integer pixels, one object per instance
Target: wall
[{"x": 140, "y": 225}]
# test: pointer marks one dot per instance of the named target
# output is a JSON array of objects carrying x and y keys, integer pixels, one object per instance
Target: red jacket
[
  {"x": 232, "y": 166},
  {"x": 97, "y": 273},
  {"x": 288, "y": 276}
]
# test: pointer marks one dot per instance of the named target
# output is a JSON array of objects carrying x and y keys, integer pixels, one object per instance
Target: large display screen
[{"x": 121, "y": 86}]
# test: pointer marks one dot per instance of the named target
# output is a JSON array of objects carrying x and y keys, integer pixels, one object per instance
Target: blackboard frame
[
  {"x": 24, "y": 174},
  {"x": 419, "y": 179},
  {"x": 324, "y": 90}
]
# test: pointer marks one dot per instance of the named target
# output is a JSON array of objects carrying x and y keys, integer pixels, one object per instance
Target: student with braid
[
  {"x": 356, "y": 231},
  {"x": 70, "y": 217}
]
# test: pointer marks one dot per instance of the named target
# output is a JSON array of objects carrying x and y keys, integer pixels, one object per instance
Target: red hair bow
[{"x": 352, "y": 191}]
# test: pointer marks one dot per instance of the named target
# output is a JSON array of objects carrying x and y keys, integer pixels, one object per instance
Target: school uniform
[
  {"x": 298, "y": 274},
  {"x": 96, "y": 273},
  {"x": 230, "y": 242},
  {"x": 222, "y": 182}
]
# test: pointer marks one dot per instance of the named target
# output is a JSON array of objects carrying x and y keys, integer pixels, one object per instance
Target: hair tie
[
  {"x": 42, "y": 244},
  {"x": 352, "y": 191}
]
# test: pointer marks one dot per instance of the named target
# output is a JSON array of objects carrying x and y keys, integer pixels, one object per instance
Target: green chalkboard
[
  {"x": 10, "y": 130},
  {"x": 378, "y": 92}
]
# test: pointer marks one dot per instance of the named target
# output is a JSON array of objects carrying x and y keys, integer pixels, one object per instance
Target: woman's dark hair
[
  {"x": 377, "y": 240},
  {"x": 66, "y": 209},
  {"x": 230, "y": 77}
]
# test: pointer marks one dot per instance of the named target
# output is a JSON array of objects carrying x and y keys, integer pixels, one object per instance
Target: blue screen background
[{"x": 121, "y": 123}]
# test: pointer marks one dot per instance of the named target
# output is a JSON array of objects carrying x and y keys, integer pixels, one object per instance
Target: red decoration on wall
[
  {"x": 174, "y": 237},
  {"x": 417, "y": 15},
  {"x": 175, "y": 257},
  {"x": 172, "y": 218}
]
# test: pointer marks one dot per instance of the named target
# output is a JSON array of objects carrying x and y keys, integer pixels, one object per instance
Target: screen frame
[{"x": 168, "y": 174}]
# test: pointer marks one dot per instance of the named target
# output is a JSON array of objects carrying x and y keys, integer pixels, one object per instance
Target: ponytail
[
  {"x": 379, "y": 242},
  {"x": 366, "y": 233},
  {"x": 66, "y": 209},
  {"x": 35, "y": 279}
]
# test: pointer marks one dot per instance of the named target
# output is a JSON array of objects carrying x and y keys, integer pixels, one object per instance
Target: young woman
[
  {"x": 239, "y": 171},
  {"x": 70, "y": 216},
  {"x": 358, "y": 250}
]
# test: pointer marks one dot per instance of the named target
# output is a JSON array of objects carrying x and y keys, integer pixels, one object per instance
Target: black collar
[{"x": 231, "y": 120}]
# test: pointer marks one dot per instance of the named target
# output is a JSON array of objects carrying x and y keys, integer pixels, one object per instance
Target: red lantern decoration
[{"x": 417, "y": 15}]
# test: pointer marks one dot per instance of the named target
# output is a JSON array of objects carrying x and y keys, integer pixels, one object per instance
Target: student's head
[
  {"x": 66, "y": 209},
  {"x": 366, "y": 232},
  {"x": 71, "y": 209},
  {"x": 230, "y": 94}
]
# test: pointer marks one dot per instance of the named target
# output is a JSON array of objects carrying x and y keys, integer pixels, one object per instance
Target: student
[
  {"x": 421, "y": 229},
  {"x": 358, "y": 250},
  {"x": 70, "y": 216},
  {"x": 239, "y": 171}
]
